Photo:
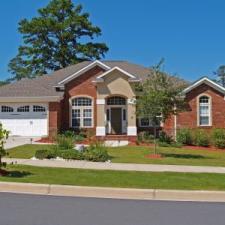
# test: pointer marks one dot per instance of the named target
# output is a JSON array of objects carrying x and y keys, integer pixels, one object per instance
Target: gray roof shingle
[{"x": 44, "y": 86}]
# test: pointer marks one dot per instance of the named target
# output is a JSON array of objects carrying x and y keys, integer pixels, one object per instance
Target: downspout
[
  {"x": 175, "y": 127},
  {"x": 175, "y": 124}
]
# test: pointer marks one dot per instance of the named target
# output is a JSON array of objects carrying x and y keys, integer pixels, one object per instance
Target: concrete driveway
[{"x": 14, "y": 141}]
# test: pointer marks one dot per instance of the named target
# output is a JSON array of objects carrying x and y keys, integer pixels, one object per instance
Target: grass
[
  {"x": 136, "y": 154},
  {"x": 124, "y": 179},
  {"x": 171, "y": 156},
  {"x": 26, "y": 151}
]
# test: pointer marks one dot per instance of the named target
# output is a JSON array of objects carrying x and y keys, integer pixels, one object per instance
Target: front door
[{"x": 116, "y": 121}]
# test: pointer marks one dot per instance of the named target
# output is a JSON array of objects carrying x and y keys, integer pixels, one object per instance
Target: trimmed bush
[
  {"x": 201, "y": 138},
  {"x": 218, "y": 138},
  {"x": 96, "y": 152},
  {"x": 46, "y": 154},
  {"x": 70, "y": 154},
  {"x": 184, "y": 136},
  {"x": 41, "y": 154}
]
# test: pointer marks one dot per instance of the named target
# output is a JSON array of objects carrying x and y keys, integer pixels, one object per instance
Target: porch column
[
  {"x": 100, "y": 127},
  {"x": 131, "y": 116}
]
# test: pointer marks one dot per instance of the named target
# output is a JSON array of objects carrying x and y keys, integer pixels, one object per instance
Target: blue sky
[{"x": 189, "y": 34}]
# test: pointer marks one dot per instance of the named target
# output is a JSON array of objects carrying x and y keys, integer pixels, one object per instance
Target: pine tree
[{"x": 59, "y": 36}]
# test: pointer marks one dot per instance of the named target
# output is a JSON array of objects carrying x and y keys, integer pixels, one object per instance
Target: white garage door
[{"x": 25, "y": 119}]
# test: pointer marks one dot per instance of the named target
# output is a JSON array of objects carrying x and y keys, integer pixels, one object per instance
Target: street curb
[{"x": 113, "y": 193}]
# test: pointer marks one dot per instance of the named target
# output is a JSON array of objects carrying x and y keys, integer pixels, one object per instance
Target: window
[
  {"x": 25, "y": 108},
  {"x": 82, "y": 112},
  {"x": 38, "y": 108},
  {"x": 124, "y": 114},
  {"x": 116, "y": 100},
  {"x": 6, "y": 109},
  {"x": 82, "y": 102},
  {"x": 146, "y": 122},
  {"x": 204, "y": 111}
]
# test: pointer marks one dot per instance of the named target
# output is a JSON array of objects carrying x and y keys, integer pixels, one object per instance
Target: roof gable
[
  {"x": 204, "y": 80},
  {"x": 83, "y": 70},
  {"x": 131, "y": 77}
]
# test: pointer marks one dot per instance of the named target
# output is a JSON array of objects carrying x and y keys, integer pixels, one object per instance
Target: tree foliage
[
  {"x": 220, "y": 73},
  {"x": 3, "y": 136},
  {"x": 61, "y": 35},
  {"x": 160, "y": 95}
]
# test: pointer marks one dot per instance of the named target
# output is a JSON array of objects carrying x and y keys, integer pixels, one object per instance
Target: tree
[
  {"x": 160, "y": 96},
  {"x": 59, "y": 36},
  {"x": 3, "y": 82},
  {"x": 3, "y": 136},
  {"x": 220, "y": 73}
]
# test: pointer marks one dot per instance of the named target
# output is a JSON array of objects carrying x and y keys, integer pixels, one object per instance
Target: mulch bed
[
  {"x": 45, "y": 140},
  {"x": 3, "y": 172}
]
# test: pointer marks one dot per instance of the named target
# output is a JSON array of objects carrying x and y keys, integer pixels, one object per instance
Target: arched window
[
  {"x": 82, "y": 112},
  {"x": 38, "y": 108},
  {"x": 5, "y": 108},
  {"x": 204, "y": 111},
  {"x": 116, "y": 100},
  {"x": 25, "y": 108}
]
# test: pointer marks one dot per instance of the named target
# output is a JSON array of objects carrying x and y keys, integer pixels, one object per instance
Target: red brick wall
[
  {"x": 81, "y": 85},
  {"x": 54, "y": 118},
  {"x": 189, "y": 117}
]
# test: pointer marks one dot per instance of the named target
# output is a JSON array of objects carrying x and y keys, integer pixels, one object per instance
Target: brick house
[
  {"x": 99, "y": 96},
  {"x": 205, "y": 108}
]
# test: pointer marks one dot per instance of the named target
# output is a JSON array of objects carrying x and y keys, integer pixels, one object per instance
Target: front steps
[{"x": 117, "y": 140}]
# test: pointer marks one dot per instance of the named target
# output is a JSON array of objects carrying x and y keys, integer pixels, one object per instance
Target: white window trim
[
  {"x": 81, "y": 111},
  {"x": 210, "y": 111}
]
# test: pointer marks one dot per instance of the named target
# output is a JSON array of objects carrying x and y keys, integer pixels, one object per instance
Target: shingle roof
[{"x": 44, "y": 86}]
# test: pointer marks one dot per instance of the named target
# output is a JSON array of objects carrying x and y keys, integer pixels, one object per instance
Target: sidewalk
[
  {"x": 115, "y": 193},
  {"x": 116, "y": 166}
]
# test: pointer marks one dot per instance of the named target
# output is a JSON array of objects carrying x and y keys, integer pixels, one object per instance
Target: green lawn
[
  {"x": 136, "y": 154},
  {"x": 26, "y": 151},
  {"x": 125, "y": 179}
]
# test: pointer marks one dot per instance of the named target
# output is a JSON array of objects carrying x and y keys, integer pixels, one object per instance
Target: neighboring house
[
  {"x": 99, "y": 96},
  {"x": 205, "y": 108}
]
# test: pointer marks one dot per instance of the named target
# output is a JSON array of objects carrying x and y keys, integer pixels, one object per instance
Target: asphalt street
[{"x": 19, "y": 209}]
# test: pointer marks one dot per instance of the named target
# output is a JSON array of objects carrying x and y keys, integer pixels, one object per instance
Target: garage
[{"x": 25, "y": 119}]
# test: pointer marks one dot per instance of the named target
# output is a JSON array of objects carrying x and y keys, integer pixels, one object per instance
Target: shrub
[
  {"x": 96, "y": 152},
  {"x": 201, "y": 138},
  {"x": 184, "y": 136},
  {"x": 78, "y": 138},
  {"x": 145, "y": 136},
  {"x": 164, "y": 138},
  {"x": 65, "y": 142},
  {"x": 42, "y": 154},
  {"x": 69, "y": 133},
  {"x": 218, "y": 138},
  {"x": 71, "y": 154}
]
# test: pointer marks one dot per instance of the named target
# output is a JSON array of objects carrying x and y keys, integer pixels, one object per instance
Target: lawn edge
[{"x": 112, "y": 193}]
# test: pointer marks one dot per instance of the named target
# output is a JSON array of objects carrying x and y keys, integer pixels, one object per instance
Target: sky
[{"x": 188, "y": 34}]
